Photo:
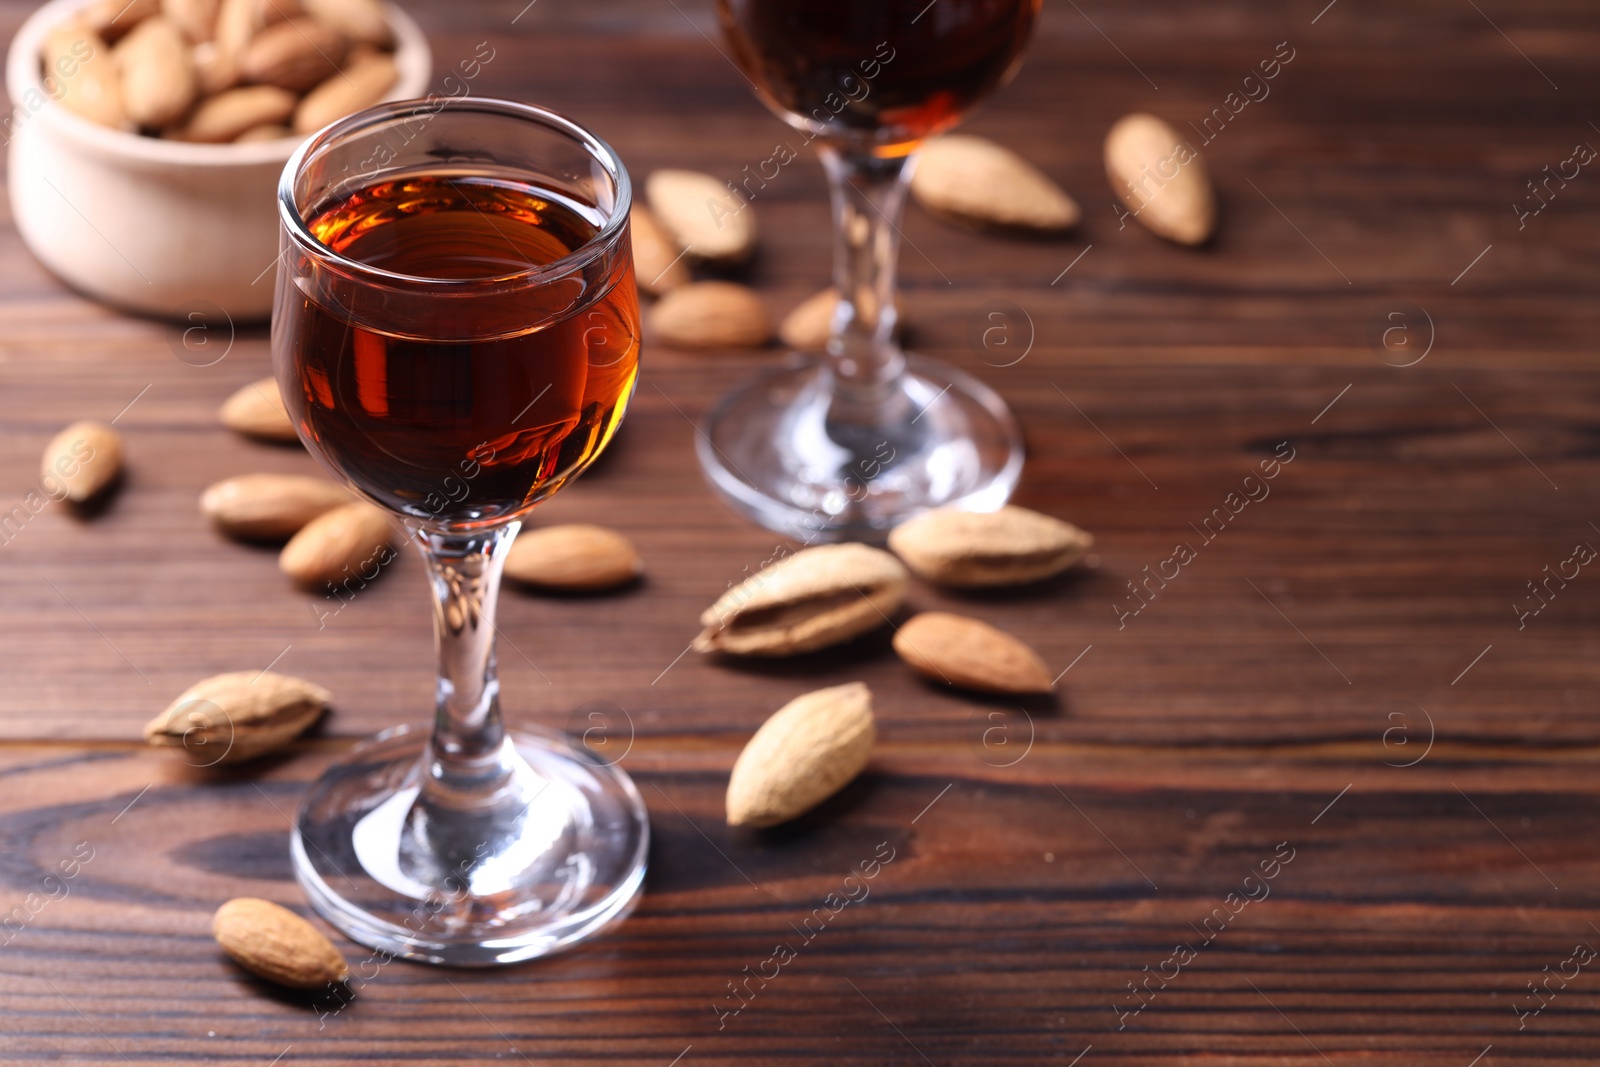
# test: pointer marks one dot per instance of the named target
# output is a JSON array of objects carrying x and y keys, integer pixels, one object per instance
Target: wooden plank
[{"x": 1341, "y": 668}]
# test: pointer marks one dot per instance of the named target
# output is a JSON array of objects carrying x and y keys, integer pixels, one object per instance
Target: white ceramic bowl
[{"x": 160, "y": 227}]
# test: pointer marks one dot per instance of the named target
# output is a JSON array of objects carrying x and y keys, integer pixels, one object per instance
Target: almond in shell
[
  {"x": 702, "y": 215},
  {"x": 971, "y": 550},
  {"x": 711, "y": 315},
  {"x": 256, "y": 409},
  {"x": 158, "y": 78},
  {"x": 274, "y": 943},
  {"x": 366, "y": 77},
  {"x": 657, "y": 259},
  {"x": 970, "y": 654},
  {"x": 81, "y": 461},
  {"x": 339, "y": 544},
  {"x": 1161, "y": 178},
  {"x": 269, "y": 507},
  {"x": 233, "y": 717},
  {"x": 815, "y": 598},
  {"x": 575, "y": 558},
  {"x": 806, "y": 752},
  {"x": 973, "y": 180}
]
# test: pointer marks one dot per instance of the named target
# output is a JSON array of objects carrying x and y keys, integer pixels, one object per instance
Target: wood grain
[{"x": 1341, "y": 668}]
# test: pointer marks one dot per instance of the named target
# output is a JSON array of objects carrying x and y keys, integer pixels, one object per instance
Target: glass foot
[
  {"x": 558, "y": 853},
  {"x": 780, "y": 449}
]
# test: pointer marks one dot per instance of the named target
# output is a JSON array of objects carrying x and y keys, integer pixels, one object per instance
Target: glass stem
[
  {"x": 868, "y": 195},
  {"x": 472, "y": 763}
]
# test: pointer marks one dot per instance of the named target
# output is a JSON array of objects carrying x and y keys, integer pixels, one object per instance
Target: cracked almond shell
[{"x": 817, "y": 597}]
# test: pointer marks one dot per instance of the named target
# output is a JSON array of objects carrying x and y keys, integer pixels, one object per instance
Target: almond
[
  {"x": 702, "y": 215},
  {"x": 810, "y": 324},
  {"x": 269, "y": 507},
  {"x": 294, "y": 55},
  {"x": 269, "y": 132},
  {"x": 196, "y": 18},
  {"x": 238, "y": 21},
  {"x": 81, "y": 461},
  {"x": 228, "y": 114},
  {"x": 1161, "y": 178},
  {"x": 815, "y": 598},
  {"x": 366, "y": 77},
  {"x": 256, "y": 410},
  {"x": 80, "y": 73},
  {"x": 273, "y": 942},
  {"x": 214, "y": 69},
  {"x": 969, "y": 549},
  {"x": 973, "y": 180},
  {"x": 577, "y": 558},
  {"x": 110, "y": 19},
  {"x": 657, "y": 260},
  {"x": 233, "y": 717},
  {"x": 970, "y": 654},
  {"x": 357, "y": 21},
  {"x": 711, "y": 315},
  {"x": 806, "y": 752},
  {"x": 338, "y": 544},
  {"x": 158, "y": 79}
]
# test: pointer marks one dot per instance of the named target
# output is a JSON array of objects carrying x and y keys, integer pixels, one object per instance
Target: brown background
[{"x": 1182, "y": 750}]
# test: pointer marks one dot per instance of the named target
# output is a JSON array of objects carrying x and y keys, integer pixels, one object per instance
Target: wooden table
[{"x": 1340, "y": 676}]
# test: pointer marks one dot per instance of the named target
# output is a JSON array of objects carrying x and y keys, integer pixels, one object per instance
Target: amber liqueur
[
  {"x": 503, "y": 386},
  {"x": 893, "y": 72}
]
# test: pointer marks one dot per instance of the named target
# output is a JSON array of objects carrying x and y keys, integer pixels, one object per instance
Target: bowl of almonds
[{"x": 146, "y": 136}]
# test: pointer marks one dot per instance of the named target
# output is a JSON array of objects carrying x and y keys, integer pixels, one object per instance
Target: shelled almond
[
  {"x": 256, "y": 410},
  {"x": 273, "y": 942},
  {"x": 269, "y": 507},
  {"x": 970, "y": 654},
  {"x": 81, "y": 461},
  {"x": 576, "y": 558},
  {"x": 221, "y": 70},
  {"x": 338, "y": 544}
]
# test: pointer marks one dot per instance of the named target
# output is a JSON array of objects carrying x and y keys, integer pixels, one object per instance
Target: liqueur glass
[
  {"x": 848, "y": 443},
  {"x": 456, "y": 336}
]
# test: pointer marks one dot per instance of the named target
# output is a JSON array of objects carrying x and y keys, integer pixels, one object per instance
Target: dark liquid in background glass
[
  {"x": 465, "y": 431},
  {"x": 883, "y": 74}
]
